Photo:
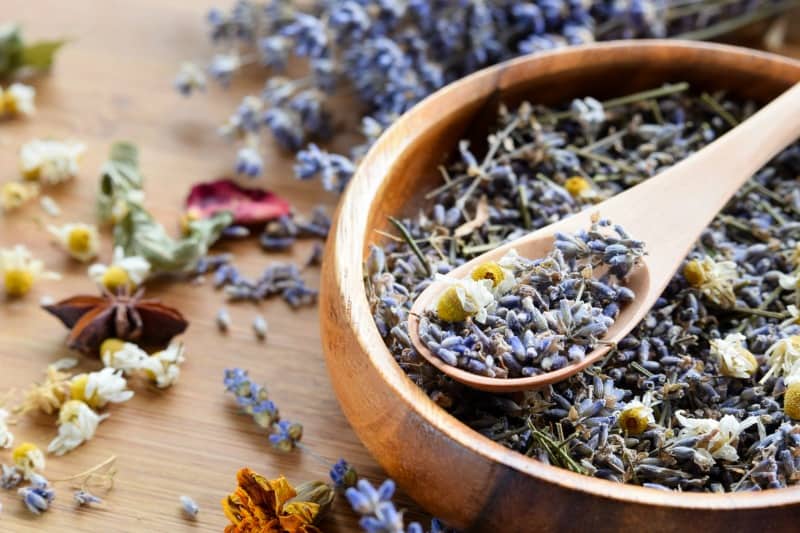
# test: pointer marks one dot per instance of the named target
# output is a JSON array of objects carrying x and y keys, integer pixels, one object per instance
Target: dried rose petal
[{"x": 249, "y": 206}]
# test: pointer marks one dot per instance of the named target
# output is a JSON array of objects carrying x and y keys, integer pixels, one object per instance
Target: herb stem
[
  {"x": 758, "y": 312},
  {"x": 601, "y": 158},
  {"x": 715, "y": 106},
  {"x": 412, "y": 244}
]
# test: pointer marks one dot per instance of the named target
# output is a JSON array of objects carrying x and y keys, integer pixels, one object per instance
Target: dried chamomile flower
[
  {"x": 164, "y": 367},
  {"x": 19, "y": 270},
  {"x": 123, "y": 272},
  {"x": 17, "y": 100},
  {"x": 718, "y": 437},
  {"x": 6, "y": 437},
  {"x": 713, "y": 278},
  {"x": 28, "y": 458},
  {"x": 81, "y": 241},
  {"x": 636, "y": 416},
  {"x": 782, "y": 357},
  {"x": 77, "y": 423},
  {"x": 121, "y": 355},
  {"x": 735, "y": 360},
  {"x": 50, "y": 162},
  {"x": 259, "y": 504},
  {"x": 38, "y": 496},
  {"x": 49, "y": 395},
  {"x": 14, "y": 194},
  {"x": 189, "y": 506},
  {"x": 463, "y": 298},
  {"x": 84, "y": 497},
  {"x": 578, "y": 187},
  {"x": 97, "y": 389}
]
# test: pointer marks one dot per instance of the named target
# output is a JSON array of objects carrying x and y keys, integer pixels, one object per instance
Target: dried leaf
[
  {"x": 481, "y": 216},
  {"x": 39, "y": 55},
  {"x": 120, "y": 200}
]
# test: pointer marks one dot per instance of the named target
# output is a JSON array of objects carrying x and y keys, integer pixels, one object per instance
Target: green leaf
[
  {"x": 39, "y": 55},
  {"x": 10, "y": 49},
  {"x": 120, "y": 200}
]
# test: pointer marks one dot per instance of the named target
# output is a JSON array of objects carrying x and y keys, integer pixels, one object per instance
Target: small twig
[
  {"x": 715, "y": 106},
  {"x": 411, "y": 243}
]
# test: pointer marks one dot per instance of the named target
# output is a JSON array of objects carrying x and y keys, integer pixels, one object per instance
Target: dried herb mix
[
  {"x": 519, "y": 317},
  {"x": 703, "y": 395}
]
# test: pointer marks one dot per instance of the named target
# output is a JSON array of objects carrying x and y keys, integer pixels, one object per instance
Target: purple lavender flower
[
  {"x": 308, "y": 34},
  {"x": 249, "y": 162},
  {"x": 343, "y": 475},
  {"x": 38, "y": 496}
]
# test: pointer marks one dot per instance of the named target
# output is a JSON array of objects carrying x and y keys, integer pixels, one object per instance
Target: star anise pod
[{"x": 93, "y": 319}]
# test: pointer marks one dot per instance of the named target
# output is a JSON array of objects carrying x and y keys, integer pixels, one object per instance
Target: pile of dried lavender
[
  {"x": 393, "y": 53},
  {"x": 522, "y": 317},
  {"x": 704, "y": 393}
]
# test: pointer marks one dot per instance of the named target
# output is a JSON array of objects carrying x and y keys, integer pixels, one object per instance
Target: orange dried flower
[{"x": 260, "y": 505}]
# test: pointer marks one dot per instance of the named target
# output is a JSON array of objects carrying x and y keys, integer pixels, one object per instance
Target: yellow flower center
[
  {"x": 111, "y": 345},
  {"x": 18, "y": 281},
  {"x": 79, "y": 241},
  {"x": 187, "y": 218},
  {"x": 791, "y": 401},
  {"x": 576, "y": 185},
  {"x": 694, "y": 273},
  {"x": 69, "y": 411},
  {"x": 449, "y": 307},
  {"x": 10, "y": 104},
  {"x": 21, "y": 453},
  {"x": 77, "y": 389},
  {"x": 13, "y": 195},
  {"x": 115, "y": 278},
  {"x": 491, "y": 271},
  {"x": 633, "y": 420}
]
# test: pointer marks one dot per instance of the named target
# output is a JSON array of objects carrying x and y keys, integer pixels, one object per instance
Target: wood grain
[
  {"x": 453, "y": 471},
  {"x": 113, "y": 81}
]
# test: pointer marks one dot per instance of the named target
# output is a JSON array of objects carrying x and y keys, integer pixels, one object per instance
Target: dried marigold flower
[{"x": 261, "y": 505}]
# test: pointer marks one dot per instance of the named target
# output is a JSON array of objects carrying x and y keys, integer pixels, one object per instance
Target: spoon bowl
[
  {"x": 536, "y": 244},
  {"x": 668, "y": 212}
]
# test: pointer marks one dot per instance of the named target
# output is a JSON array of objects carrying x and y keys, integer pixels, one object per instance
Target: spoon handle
[{"x": 670, "y": 210}]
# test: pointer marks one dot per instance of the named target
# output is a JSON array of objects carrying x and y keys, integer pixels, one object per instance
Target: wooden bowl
[{"x": 450, "y": 469}]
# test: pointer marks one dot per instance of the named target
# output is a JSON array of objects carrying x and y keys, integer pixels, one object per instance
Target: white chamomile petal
[{"x": 81, "y": 241}]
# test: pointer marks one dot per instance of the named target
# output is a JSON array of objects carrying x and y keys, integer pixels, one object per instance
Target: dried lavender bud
[
  {"x": 393, "y": 54},
  {"x": 260, "y": 327}
]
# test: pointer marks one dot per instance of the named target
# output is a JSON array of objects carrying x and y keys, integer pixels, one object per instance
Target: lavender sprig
[
  {"x": 393, "y": 54},
  {"x": 253, "y": 399}
]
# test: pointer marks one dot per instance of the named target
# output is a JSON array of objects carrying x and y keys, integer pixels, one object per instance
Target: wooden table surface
[{"x": 112, "y": 82}]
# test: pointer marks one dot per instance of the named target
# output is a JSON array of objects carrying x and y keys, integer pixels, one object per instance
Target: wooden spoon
[{"x": 668, "y": 212}]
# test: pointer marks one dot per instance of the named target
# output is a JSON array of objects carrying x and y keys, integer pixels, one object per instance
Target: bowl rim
[{"x": 348, "y": 271}]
